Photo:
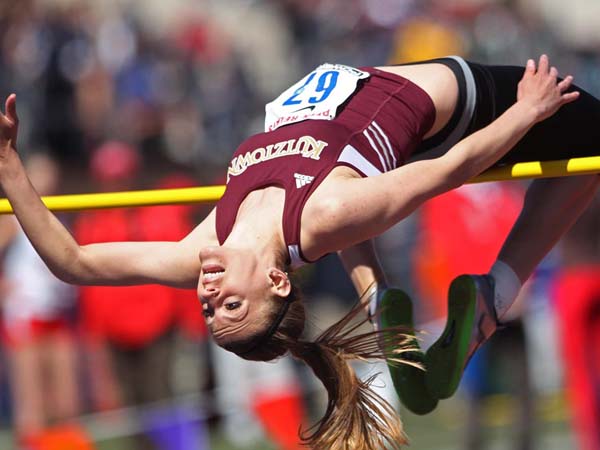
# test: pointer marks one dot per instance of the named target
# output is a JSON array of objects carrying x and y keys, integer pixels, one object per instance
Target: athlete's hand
[
  {"x": 542, "y": 90},
  {"x": 9, "y": 125}
]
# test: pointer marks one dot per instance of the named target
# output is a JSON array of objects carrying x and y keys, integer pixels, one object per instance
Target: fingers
[
  {"x": 543, "y": 64},
  {"x": 541, "y": 85},
  {"x": 543, "y": 67},
  {"x": 565, "y": 84},
  {"x": 530, "y": 67},
  {"x": 569, "y": 97}
]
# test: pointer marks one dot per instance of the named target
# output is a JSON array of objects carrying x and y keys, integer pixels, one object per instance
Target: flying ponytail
[{"x": 356, "y": 417}]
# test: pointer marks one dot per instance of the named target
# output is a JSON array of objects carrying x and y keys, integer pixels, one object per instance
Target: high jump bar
[{"x": 209, "y": 194}]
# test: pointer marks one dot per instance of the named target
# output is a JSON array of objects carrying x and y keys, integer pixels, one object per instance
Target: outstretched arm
[
  {"x": 172, "y": 263},
  {"x": 366, "y": 207}
]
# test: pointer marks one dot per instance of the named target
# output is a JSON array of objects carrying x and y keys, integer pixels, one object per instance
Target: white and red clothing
[{"x": 35, "y": 301}]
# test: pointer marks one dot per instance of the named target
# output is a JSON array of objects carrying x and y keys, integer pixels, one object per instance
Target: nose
[
  {"x": 208, "y": 291},
  {"x": 212, "y": 291}
]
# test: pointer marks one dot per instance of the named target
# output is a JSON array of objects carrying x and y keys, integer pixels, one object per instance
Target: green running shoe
[
  {"x": 471, "y": 322},
  {"x": 395, "y": 309}
]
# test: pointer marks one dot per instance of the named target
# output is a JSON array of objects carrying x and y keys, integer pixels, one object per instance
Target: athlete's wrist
[
  {"x": 11, "y": 167},
  {"x": 529, "y": 110}
]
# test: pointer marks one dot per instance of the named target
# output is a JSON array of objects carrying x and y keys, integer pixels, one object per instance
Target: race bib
[{"x": 316, "y": 96}]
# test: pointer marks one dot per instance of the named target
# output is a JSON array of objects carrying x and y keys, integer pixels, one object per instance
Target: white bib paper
[{"x": 316, "y": 96}]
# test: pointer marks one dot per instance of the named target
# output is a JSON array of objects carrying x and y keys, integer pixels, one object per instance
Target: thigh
[{"x": 574, "y": 131}]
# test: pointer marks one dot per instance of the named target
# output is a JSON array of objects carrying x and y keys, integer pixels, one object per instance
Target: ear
[{"x": 280, "y": 282}]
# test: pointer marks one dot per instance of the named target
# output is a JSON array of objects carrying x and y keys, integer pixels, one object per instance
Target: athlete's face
[{"x": 234, "y": 289}]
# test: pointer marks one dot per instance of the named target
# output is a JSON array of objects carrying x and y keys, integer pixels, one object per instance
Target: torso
[{"x": 435, "y": 80}]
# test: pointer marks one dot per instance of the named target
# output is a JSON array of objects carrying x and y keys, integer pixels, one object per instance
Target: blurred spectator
[
  {"x": 137, "y": 324},
  {"x": 185, "y": 81},
  {"x": 37, "y": 325},
  {"x": 577, "y": 297},
  {"x": 426, "y": 37}
]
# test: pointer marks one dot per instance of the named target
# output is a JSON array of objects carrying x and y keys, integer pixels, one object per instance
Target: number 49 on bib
[{"x": 316, "y": 96}]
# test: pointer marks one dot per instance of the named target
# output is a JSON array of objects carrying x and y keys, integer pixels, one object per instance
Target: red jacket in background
[
  {"x": 135, "y": 315},
  {"x": 462, "y": 231}
]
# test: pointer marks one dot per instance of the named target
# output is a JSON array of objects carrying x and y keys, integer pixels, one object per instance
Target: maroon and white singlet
[{"x": 374, "y": 131}]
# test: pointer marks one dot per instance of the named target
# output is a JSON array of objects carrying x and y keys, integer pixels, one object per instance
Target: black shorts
[{"x": 485, "y": 92}]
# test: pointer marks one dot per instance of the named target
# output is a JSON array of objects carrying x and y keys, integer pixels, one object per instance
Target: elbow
[
  {"x": 65, "y": 276},
  {"x": 455, "y": 181},
  {"x": 71, "y": 271},
  {"x": 460, "y": 169}
]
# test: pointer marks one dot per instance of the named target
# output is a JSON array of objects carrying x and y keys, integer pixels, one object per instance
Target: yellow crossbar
[
  {"x": 208, "y": 194},
  {"x": 542, "y": 169}
]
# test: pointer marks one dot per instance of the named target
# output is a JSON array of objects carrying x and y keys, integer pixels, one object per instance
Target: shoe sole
[
  {"x": 409, "y": 382},
  {"x": 447, "y": 357}
]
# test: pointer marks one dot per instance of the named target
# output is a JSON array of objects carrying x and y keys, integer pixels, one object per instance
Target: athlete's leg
[
  {"x": 551, "y": 207},
  {"x": 476, "y": 304}
]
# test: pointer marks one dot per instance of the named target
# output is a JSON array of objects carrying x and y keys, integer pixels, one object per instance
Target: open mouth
[{"x": 212, "y": 272}]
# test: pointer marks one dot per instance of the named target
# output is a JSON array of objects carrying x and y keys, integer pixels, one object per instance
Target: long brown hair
[{"x": 356, "y": 418}]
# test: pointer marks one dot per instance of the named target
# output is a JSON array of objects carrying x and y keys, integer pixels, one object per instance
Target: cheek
[{"x": 210, "y": 326}]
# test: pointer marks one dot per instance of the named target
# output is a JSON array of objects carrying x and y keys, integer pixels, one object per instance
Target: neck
[{"x": 258, "y": 224}]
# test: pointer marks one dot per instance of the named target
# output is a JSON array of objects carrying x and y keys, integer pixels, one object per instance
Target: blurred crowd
[
  {"x": 131, "y": 94},
  {"x": 185, "y": 82}
]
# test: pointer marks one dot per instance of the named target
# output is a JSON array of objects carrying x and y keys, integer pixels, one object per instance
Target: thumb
[{"x": 11, "y": 108}]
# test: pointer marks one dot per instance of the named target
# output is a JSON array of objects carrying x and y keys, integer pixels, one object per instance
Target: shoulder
[{"x": 325, "y": 213}]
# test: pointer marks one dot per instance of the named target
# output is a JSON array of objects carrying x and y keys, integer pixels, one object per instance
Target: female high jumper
[{"x": 330, "y": 172}]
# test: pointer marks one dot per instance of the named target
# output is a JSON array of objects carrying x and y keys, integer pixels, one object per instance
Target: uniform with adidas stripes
[
  {"x": 379, "y": 127},
  {"x": 374, "y": 131}
]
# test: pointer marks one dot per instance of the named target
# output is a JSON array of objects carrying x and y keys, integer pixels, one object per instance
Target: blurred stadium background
[{"x": 135, "y": 94}]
